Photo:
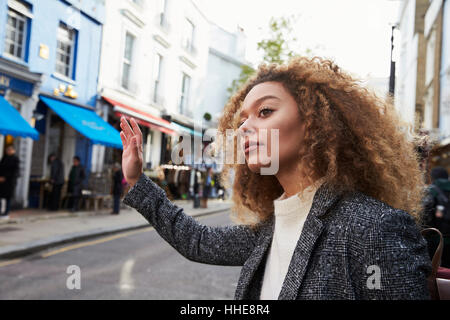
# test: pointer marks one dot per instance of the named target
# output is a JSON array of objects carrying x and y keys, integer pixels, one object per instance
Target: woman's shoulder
[{"x": 364, "y": 211}]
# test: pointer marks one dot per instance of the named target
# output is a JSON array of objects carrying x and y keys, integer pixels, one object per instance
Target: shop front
[
  {"x": 68, "y": 129},
  {"x": 18, "y": 97}
]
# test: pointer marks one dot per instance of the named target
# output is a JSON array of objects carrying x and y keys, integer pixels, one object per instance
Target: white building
[
  {"x": 410, "y": 80},
  {"x": 226, "y": 56},
  {"x": 153, "y": 66}
]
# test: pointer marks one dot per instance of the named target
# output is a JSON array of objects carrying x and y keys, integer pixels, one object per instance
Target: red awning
[{"x": 143, "y": 118}]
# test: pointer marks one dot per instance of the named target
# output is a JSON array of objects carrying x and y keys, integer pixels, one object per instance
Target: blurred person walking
[
  {"x": 76, "y": 179},
  {"x": 9, "y": 172},
  {"x": 117, "y": 187},
  {"x": 57, "y": 181},
  {"x": 207, "y": 188}
]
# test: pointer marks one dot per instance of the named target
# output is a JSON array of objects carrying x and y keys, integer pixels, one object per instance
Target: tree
[{"x": 277, "y": 48}]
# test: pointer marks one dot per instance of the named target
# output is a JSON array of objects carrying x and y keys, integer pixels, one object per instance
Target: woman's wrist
[{"x": 132, "y": 182}]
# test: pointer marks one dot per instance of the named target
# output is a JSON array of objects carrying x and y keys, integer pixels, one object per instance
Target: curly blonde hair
[{"x": 353, "y": 138}]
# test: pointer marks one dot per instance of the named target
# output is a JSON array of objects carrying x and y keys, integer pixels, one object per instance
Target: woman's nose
[{"x": 246, "y": 128}]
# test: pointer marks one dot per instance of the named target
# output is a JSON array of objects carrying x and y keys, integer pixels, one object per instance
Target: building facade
[
  {"x": 410, "y": 78},
  {"x": 153, "y": 66},
  {"x": 225, "y": 59},
  {"x": 56, "y": 44},
  {"x": 423, "y": 80}
]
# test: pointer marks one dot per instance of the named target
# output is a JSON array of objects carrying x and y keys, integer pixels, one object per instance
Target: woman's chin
[{"x": 256, "y": 167}]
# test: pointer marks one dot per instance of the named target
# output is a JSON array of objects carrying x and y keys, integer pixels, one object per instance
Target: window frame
[
  {"x": 184, "y": 98},
  {"x": 19, "y": 17},
  {"x": 64, "y": 53},
  {"x": 126, "y": 61},
  {"x": 162, "y": 12},
  {"x": 157, "y": 75},
  {"x": 189, "y": 46}
]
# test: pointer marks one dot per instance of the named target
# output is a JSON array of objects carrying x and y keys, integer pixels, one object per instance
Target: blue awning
[
  {"x": 180, "y": 128},
  {"x": 86, "y": 122},
  {"x": 11, "y": 122}
]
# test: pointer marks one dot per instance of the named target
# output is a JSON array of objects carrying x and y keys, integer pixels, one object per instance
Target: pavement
[{"x": 28, "y": 231}]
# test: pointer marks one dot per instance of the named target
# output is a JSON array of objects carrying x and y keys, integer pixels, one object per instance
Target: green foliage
[
  {"x": 277, "y": 48},
  {"x": 207, "y": 116}
]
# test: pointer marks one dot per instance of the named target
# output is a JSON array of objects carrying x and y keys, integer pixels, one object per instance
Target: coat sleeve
[
  {"x": 394, "y": 263},
  {"x": 228, "y": 246}
]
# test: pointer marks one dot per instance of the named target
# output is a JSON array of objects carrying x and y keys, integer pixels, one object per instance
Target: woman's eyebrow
[{"x": 259, "y": 101}]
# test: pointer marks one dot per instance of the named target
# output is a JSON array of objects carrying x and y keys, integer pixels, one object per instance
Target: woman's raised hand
[{"x": 132, "y": 156}]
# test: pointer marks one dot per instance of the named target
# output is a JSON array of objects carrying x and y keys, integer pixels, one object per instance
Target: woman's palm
[{"x": 132, "y": 156}]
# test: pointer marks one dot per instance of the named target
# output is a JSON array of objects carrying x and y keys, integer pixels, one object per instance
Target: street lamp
[{"x": 392, "y": 73}]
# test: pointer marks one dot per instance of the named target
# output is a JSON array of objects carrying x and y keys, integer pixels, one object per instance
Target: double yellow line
[
  {"x": 86, "y": 244},
  {"x": 80, "y": 245}
]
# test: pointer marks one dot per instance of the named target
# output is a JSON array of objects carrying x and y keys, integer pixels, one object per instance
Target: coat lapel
[
  {"x": 253, "y": 262},
  {"x": 312, "y": 229}
]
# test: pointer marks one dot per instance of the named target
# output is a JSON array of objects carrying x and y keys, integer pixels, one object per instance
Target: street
[{"x": 131, "y": 265}]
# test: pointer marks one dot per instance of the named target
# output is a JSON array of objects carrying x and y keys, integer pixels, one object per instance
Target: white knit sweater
[{"x": 290, "y": 215}]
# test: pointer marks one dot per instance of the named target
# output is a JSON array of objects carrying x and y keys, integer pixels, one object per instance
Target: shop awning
[
  {"x": 180, "y": 128},
  {"x": 11, "y": 122},
  {"x": 143, "y": 118},
  {"x": 86, "y": 122}
]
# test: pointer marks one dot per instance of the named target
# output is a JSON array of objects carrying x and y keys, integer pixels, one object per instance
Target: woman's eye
[{"x": 265, "y": 111}]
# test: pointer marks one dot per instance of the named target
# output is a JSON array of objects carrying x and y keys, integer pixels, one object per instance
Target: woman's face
[{"x": 270, "y": 106}]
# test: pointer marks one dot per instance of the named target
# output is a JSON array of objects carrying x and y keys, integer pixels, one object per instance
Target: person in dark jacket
[
  {"x": 117, "y": 187},
  {"x": 9, "y": 171},
  {"x": 57, "y": 181},
  {"x": 437, "y": 211},
  {"x": 76, "y": 178}
]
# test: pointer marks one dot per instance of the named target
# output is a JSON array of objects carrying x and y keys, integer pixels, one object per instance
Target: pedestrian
[
  {"x": 206, "y": 188},
  {"x": 9, "y": 172},
  {"x": 196, "y": 188},
  {"x": 117, "y": 187},
  {"x": 328, "y": 198},
  {"x": 437, "y": 211},
  {"x": 75, "y": 184},
  {"x": 220, "y": 189},
  {"x": 56, "y": 180}
]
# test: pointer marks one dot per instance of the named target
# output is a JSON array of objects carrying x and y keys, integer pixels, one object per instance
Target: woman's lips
[{"x": 251, "y": 147}]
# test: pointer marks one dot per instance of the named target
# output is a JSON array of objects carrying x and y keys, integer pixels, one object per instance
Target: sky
[{"x": 356, "y": 34}]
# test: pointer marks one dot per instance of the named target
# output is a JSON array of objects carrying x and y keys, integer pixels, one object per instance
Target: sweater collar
[{"x": 298, "y": 202}]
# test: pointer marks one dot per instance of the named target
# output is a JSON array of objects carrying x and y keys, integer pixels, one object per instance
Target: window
[
  {"x": 162, "y": 12},
  {"x": 157, "y": 77},
  {"x": 186, "y": 82},
  {"x": 188, "y": 36},
  {"x": 148, "y": 150},
  {"x": 16, "y": 29},
  {"x": 127, "y": 57},
  {"x": 65, "y": 51}
]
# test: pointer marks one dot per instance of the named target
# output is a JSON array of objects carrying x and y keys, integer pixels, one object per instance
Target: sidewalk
[{"x": 28, "y": 231}]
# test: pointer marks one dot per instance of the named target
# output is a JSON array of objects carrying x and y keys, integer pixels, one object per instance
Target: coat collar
[{"x": 323, "y": 200}]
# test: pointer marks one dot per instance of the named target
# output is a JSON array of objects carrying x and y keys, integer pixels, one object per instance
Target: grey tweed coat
[{"x": 351, "y": 247}]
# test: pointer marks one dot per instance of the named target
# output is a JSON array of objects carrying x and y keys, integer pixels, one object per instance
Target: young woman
[{"x": 337, "y": 220}]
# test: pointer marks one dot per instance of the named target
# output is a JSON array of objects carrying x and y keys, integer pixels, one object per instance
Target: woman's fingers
[
  {"x": 136, "y": 130},
  {"x": 124, "y": 139},
  {"x": 126, "y": 128},
  {"x": 135, "y": 146}
]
